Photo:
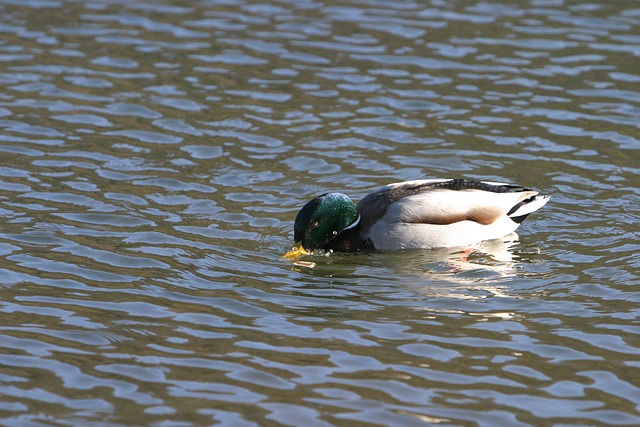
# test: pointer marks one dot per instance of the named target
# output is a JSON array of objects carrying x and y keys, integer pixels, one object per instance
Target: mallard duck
[{"x": 430, "y": 213}]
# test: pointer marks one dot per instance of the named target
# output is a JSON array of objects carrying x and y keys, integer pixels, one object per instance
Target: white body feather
[{"x": 401, "y": 226}]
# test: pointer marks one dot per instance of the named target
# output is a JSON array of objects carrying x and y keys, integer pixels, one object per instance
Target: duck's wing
[{"x": 442, "y": 202}]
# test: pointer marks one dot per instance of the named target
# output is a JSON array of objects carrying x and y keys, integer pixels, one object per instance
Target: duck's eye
[{"x": 335, "y": 233}]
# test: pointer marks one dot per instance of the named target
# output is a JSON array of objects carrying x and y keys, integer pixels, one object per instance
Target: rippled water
[{"x": 154, "y": 155}]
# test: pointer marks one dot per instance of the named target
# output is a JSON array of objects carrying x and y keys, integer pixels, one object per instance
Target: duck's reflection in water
[
  {"x": 479, "y": 271},
  {"x": 471, "y": 272}
]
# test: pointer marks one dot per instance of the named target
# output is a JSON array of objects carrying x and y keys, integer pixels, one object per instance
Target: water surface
[{"x": 154, "y": 155}]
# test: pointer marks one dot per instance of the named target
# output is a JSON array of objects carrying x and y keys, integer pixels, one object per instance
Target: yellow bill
[{"x": 296, "y": 252}]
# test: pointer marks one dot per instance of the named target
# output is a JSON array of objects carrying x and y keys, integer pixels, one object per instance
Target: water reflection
[{"x": 484, "y": 271}]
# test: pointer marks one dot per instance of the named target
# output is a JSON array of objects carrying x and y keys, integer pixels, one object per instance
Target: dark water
[{"x": 154, "y": 155}]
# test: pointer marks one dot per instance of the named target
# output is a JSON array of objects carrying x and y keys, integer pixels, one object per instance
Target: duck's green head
[{"x": 321, "y": 220}]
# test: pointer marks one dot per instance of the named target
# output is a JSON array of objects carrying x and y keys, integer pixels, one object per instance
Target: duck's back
[{"x": 443, "y": 213}]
